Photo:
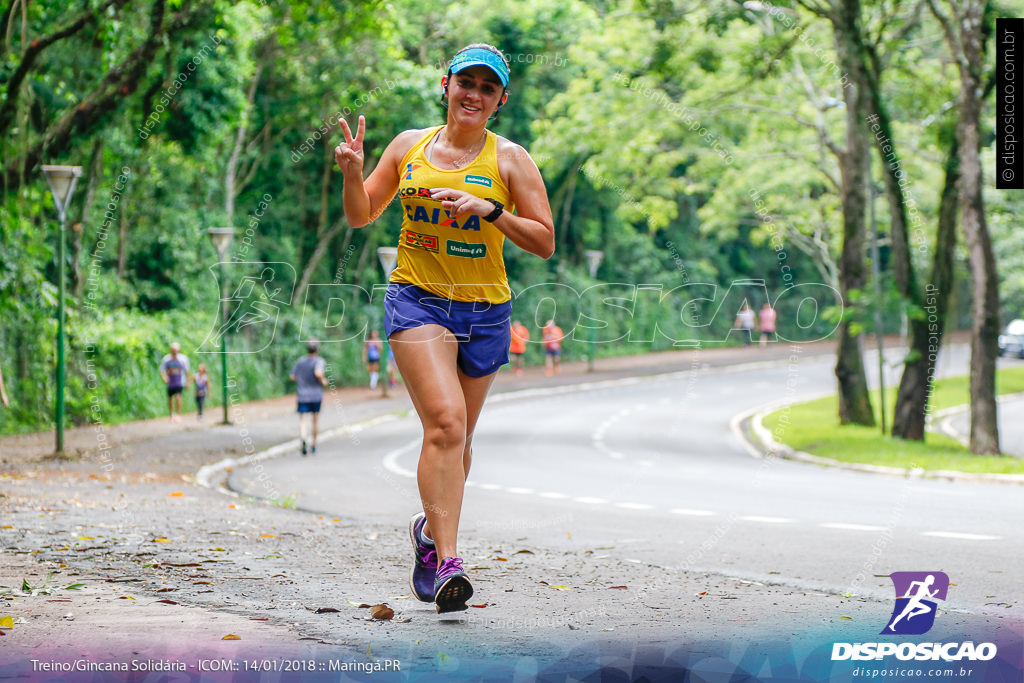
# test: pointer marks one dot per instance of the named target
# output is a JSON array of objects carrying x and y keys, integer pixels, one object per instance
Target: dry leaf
[
  {"x": 231, "y": 636},
  {"x": 325, "y": 610},
  {"x": 6, "y": 622},
  {"x": 359, "y": 605},
  {"x": 483, "y": 605},
  {"x": 403, "y": 620},
  {"x": 560, "y": 588},
  {"x": 850, "y": 618},
  {"x": 524, "y": 552},
  {"x": 169, "y": 602},
  {"x": 160, "y": 540},
  {"x": 177, "y": 494},
  {"x": 127, "y": 597},
  {"x": 501, "y": 559},
  {"x": 618, "y": 587},
  {"x": 382, "y": 612},
  {"x": 268, "y": 536}
]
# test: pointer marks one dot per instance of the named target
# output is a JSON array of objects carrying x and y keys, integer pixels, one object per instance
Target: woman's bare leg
[{"x": 426, "y": 356}]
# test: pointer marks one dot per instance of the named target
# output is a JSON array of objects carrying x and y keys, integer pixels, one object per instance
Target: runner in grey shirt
[
  {"x": 308, "y": 373},
  {"x": 175, "y": 372}
]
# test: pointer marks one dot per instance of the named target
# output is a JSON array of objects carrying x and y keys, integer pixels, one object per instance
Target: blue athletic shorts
[
  {"x": 309, "y": 406},
  {"x": 483, "y": 329}
]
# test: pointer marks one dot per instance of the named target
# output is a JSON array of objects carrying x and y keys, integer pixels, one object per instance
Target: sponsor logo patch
[
  {"x": 465, "y": 250},
  {"x": 478, "y": 180},
  {"x": 421, "y": 241}
]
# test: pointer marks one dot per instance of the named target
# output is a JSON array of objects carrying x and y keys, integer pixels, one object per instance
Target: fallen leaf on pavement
[
  {"x": 399, "y": 597},
  {"x": 166, "y": 590},
  {"x": 177, "y": 494},
  {"x": 359, "y": 605},
  {"x": 523, "y": 552},
  {"x": 403, "y": 620},
  {"x": 268, "y": 535},
  {"x": 850, "y": 618},
  {"x": 127, "y": 597},
  {"x": 382, "y": 612},
  {"x": 501, "y": 559},
  {"x": 560, "y": 588},
  {"x": 618, "y": 587},
  {"x": 702, "y": 593},
  {"x": 483, "y": 605},
  {"x": 6, "y": 622},
  {"x": 325, "y": 610},
  {"x": 85, "y": 538},
  {"x": 160, "y": 540},
  {"x": 231, "y": 636},
  {"x": 169, "y": 602}
]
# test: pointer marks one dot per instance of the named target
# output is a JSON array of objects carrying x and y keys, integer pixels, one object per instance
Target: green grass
[{"x": 813, "y": 427}]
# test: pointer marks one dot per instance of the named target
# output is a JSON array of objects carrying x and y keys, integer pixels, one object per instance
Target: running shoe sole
[
  {"x": 415, "y": 565},
  {"x": 453, "y": 594}
]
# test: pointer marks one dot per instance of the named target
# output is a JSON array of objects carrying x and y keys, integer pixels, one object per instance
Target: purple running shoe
[
  {"x": 421, "y": 578},
  {"x": 451, "y": 586}
]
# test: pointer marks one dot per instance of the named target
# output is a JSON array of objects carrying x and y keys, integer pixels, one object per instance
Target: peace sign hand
[{"x": 349, "y": 154}]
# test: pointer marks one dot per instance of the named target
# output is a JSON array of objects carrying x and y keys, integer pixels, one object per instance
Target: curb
[{"x": 766, "y": 446}]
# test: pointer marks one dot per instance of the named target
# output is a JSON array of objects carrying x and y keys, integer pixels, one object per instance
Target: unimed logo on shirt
[{"x": 465, "y": 250}]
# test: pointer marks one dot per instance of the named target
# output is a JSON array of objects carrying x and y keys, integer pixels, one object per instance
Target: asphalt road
[{"x": 650, "y": 470}]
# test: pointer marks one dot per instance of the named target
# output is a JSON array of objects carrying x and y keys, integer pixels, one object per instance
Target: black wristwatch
[{"x": 493, "y": 215}]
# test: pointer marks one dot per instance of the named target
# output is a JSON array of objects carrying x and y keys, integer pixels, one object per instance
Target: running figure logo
[{"x": 915, "y": 608}]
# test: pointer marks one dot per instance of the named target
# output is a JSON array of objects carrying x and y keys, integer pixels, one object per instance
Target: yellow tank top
[{"x": 458, "y": 259}]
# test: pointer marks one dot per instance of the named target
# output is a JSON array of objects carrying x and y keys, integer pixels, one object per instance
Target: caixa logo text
[{"x": 949, "y": 652}]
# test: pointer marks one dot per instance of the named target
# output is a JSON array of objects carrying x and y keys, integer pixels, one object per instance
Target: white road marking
[
  {"x": 766, "y": 520},
  {"x": 516, "y": 489},
  {"x": 853, "y": 527},
  {"x": 590, "y": 501},
  {"x": 634, "y": 506},
  {"x": 693, "y": 513},
  {"x": 961, "y": 536},
  {"x": 553, "y": 495}
]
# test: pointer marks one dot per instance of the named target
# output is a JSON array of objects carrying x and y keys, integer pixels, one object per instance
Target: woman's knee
[{"x": 445, "y": 428}]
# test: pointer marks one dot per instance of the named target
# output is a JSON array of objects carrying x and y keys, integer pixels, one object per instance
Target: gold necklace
[{"x": 468, "y": 156}]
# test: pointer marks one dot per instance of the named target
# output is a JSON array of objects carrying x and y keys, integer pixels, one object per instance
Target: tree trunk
[
  {"x": 231, "y": 186},
  {"x": 926, "y": 335},
  {"x": 122, "y": 231},
  {"x": 854, "y": 401},
  {"x": 985, "y": 325},
  {"x": 95, "y": 176},
  {"x": 323, "y": 234}
]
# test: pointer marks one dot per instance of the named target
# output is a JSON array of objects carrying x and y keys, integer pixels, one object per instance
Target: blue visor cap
[{"x": 478, "y": 56}]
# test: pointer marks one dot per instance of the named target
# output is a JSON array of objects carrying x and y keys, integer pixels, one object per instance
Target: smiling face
[{"x": 474, "y": 95}]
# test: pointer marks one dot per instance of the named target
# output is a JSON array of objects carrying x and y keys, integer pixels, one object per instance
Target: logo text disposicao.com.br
[{"x": 914, "y": 614}]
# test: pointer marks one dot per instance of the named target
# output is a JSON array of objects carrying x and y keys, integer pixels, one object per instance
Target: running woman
[{"x": 447, "y": 310}]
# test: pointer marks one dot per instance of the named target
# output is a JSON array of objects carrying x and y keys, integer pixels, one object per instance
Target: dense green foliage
[{"x": 658, "y": 128}]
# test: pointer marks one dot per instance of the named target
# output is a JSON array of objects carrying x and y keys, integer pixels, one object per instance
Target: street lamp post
[
  {"x": 61, "y": 180},
  {"x": 594, "y": 258},
  {"x": 221, "y": 238},
  {"x": 388, "y": 258}
]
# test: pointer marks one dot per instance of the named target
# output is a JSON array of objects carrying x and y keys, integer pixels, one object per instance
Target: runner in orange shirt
[
  {"x": 520, "y": 335},
  {"x": 553, "y": 336}
]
